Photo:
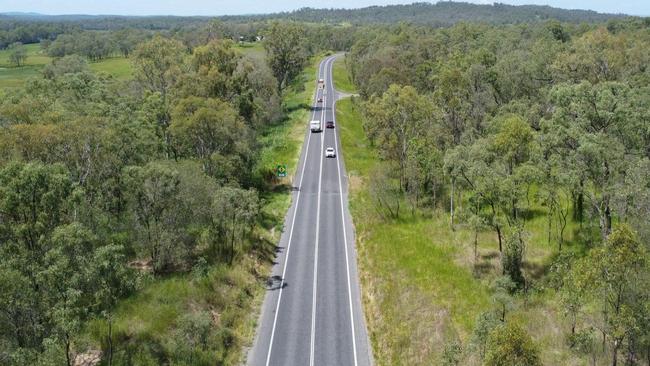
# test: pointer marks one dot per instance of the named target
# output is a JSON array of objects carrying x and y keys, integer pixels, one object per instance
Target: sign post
[{"x": 281, "y": 170}]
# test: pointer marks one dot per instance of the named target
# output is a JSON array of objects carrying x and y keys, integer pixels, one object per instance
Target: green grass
[
  {"x": 342, "y": 80},
  {"x": 118, "y": 67},
  {"x": 254, "y": 50},
  {"x": 35, "y": 56},
  {"x": 148, "y": 326},
  {"x": 421, "y": 286},
  {"x": 15, "y": 77}
]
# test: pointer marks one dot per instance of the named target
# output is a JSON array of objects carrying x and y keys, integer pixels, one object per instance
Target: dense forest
[{"x": 538, "y": 135}]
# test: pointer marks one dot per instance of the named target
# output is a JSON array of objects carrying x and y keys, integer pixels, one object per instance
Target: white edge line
[
  {"x": 293, "y": 221},
  {"x": 345, "y": 237}
]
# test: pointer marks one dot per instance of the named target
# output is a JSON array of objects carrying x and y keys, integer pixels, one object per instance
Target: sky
[{"x": 235, "y": 7}]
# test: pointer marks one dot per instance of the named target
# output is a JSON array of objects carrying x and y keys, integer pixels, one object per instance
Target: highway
[{"x": 312, "y": 312}]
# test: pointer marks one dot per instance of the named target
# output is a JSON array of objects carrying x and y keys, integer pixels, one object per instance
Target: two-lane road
[{"x": 312, "y": 312}]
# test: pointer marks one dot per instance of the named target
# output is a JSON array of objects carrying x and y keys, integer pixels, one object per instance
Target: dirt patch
[
  {"x": 215, "y": 317},
  {"x": 144, "y": 266},
  {"x": 356, "y": 183},
  {"x": 88, "y": 358}
]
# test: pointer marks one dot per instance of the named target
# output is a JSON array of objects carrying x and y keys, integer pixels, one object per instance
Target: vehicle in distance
[
  {"x": 315, "y": 126},
  {"x": 321, "y": 81},
  {"x": 330, "y": 153},
  {"x": 329, "y": 124},
  {"x": 320, "y": 99}
]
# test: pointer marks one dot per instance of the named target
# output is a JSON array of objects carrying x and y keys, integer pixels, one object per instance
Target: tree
[
  {"x": 234, "y": 212},
  {"x": 126, "y": 40},
  {"x": 33, "y": 201},
  {"x": 397, "y": 119},
  {"x": 112, "y": 280},
  {"x": 212, "y": 131},
  {"x": 157, "y": 68},
  {"x": 508, "y": 345},
  {"x": 503, "y": 288},
  {"x": 589, "y": 134},
  {"x": 18, "y": 54},
  {"x": 485, "y": 324},
  {"x": 153, "y": 195},
  {"x": 157, "y": 64},
  {"x": 513, "y": 257},
  {"x": 286, "y": 54},
  {"x": 65, "y": 65},
  {"x": 477, "y": 224},
  {"x": 67, "y": 278},
  {"x": 453, "y": 95},
  {"x": 614, "y": 278}
]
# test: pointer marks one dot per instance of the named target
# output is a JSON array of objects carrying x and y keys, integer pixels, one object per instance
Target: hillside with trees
[{"x": 439, "y": 14}]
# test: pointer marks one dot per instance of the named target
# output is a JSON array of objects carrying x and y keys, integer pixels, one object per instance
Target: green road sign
[{"x": 281, "y": 170}]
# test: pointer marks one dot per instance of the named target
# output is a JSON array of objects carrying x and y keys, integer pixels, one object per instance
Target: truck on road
[{"x": 315, "y": 126}]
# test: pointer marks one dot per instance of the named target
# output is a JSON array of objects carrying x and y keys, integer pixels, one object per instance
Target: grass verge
[
  {"x": 342, "y": 80},
  {"x": 422, "y": 287}
]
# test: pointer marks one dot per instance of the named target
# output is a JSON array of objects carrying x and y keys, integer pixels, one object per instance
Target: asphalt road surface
[{"x": 312, "y": 311}]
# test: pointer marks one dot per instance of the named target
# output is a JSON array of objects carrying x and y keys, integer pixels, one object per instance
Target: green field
[
  {"x": 254, "y": 50},
  {"x": 118, "y": 67},
  {"x": 342, "y": 80},
  {"x": 421, "y": 287},
  {"x": 13, "y": 77}
]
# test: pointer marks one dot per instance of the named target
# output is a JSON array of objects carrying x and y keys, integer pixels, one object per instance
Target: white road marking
[
  {"x": 320, "y": 181},
  {"x": 345, "y": 237},
  {"x": 293, "y": 221}
]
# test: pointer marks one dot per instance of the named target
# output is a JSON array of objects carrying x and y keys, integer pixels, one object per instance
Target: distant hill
[
  {"x": 440, "y": 14},
  {"x": 444, "y": 13}
]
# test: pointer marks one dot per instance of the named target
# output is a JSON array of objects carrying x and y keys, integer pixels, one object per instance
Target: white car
[{"x": 330, "y": 153}]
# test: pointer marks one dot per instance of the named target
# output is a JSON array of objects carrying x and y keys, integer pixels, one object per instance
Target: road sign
[{"x": 281, "y": 170}]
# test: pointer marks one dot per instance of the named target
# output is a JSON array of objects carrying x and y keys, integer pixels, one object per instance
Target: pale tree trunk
[{"x": 451, "y": 203}]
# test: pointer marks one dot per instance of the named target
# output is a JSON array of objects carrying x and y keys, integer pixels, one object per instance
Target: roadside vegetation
[
  {"x": 500, "y": 190},
  {"x": 140, "y": 213}
]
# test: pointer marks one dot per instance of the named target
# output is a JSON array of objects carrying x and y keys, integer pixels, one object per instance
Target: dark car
[
  {"x": 320, "y": 100},
  {"x": 329, "y": 124}
]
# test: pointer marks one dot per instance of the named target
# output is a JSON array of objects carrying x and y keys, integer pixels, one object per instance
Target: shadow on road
[{"x": 275, "y": 283}]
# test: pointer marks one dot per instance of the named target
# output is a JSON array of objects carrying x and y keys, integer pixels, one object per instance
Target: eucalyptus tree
[
  {"x": 397, "y": 119},
  {"x": 17, "y": 54},
  {"x": 286, "y": 51},
  {"x": 590, "y": 130},
  {"x": 613, "y": 279},
  {"x": 158, "y": 65}
]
